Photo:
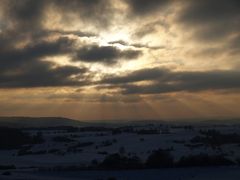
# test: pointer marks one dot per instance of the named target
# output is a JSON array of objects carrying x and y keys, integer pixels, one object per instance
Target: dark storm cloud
[
  {"x": 136, "y": 76},
  {"x": 31, "y": 12},
  {"x": 41, "y": 74},
  {"x": 16, "y": 57},
  {"x": 212, "y": 20},
  {"x": 104, "y": 54},
  {"x": 25, "y": 14},
  {"x": 26, "y": 18},
  {"x": 213, "y": 11},
  {"x": 23, "y": 67},
  {"x": 143, "y": 7},
  {"x": 23, "y": 22},
  {"x": 24, "y": 11},
  {"x": 165, "y": 81},
  {"x": 76, "y": 33}
]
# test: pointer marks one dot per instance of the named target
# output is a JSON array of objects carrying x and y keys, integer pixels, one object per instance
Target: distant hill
[
  {"x": 39, "y": 122},
  {"x": 59, "y": 121}
]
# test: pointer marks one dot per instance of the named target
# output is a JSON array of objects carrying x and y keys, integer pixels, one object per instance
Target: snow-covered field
[
  {"x": 83, "y": 146},
  {"x": 210, "y": 173}
]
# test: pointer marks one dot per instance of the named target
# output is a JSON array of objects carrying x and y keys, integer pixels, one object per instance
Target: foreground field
[
  {"x": 210, "y": 173},
  {"x": 141, "y": 151}
]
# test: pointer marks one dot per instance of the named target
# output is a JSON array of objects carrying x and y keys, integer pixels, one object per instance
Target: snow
[
  {"x": 135, "y": 144},
  {"x": 211, "y": 173}
]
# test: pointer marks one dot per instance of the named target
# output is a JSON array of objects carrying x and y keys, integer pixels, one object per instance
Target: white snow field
[{"x": 81, "y": 146}]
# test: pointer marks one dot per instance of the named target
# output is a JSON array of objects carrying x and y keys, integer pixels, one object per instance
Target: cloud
[
  {"x": 23, "y": 67},
  {"x": 14, "y": 57},
  {"x": 76, "y": 33},
  {"x": 151, "y": 27},
  {"x": 41, "y": 74},
  {"x": 211, "y": 20},
  {"x": 136, "y": 45},
  {"x": 143, "y": 7},
  {"x": 25, "y": 41},
  {"x": 104, "y": 54},
  {"x": 166, "y": 81},
  {"x": 121, "y": 42},
  {"x": 136, "y": 76},
  {"x": 25, "y": 14},
  {"x": 234, "y": 45},
  {"x": 31, "y": 13},
  {"x": 95, "y": 12}
]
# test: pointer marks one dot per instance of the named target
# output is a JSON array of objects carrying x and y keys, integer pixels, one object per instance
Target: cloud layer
[
  {"x": 121, "y": 58},
  {"x": 166, "y": 81},
  {"x": 32, "y": 31},
  {"x": 105, "y": 54}
]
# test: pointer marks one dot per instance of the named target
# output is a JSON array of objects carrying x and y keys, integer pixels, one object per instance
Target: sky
[{"x": 120, "y": 59}]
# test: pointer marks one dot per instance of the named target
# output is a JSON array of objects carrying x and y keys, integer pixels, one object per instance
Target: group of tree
[
  {"x": 11, "y": 138},
  {"x": 162, "y": 159}
]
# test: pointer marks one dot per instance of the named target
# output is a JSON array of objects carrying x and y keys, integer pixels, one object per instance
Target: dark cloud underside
[
  {"x": 212, "y": 20},
  {"x": 165, "y": 81},
  {"x": 41, "y": 74},
  {"x": 25, "y": 42},
  {"x": 105, "y": 54},
  {"x": 24, "y": 67},
  {"x": 143, "y": 7}
]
